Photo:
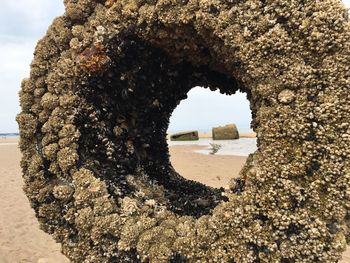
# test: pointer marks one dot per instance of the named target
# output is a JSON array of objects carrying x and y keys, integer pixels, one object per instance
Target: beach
[
  {"x": 212, "y": 170},
  {"x": 21, "y": 240}
]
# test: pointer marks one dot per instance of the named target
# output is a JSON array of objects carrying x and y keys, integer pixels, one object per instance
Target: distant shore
[
  {"x": 241, "y": 135},
  {"x": 208, "y": 135},
  {"x": 14, "y": 137}
]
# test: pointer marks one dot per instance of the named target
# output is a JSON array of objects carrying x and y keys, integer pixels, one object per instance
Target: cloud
[
  {"x": 27, "y": 18},
  {"x": 17, "y": 57},
  {"x": 22, "y": 23},
  {"x": 204, "y": 109}
]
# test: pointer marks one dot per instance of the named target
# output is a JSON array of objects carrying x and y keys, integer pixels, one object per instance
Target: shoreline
[
  {"x": 239, "y": 147},
  {"x": 208, "y": 135},
  {"x": 204, "y": 135}
]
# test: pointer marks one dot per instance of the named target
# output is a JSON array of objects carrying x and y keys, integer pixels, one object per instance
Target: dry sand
[
  {"x": 21, "y": 240},
  {"x": 212, "y": 170}
]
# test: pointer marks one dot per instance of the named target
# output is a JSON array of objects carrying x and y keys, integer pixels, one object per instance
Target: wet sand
[{"x": 21, "y": 240}]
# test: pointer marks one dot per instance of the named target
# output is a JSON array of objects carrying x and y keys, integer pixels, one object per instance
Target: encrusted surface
[
  {"x": 96, "y": 107},
  {"x": 227, "y": 132}
]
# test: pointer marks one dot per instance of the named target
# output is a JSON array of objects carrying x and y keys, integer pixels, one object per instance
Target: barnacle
[{"x": 95, "y": 110}]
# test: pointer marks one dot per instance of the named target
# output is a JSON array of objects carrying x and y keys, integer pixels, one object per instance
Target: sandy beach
[
  {"x": 212, "y": 170},
  {"x": 21, "y": 240}
]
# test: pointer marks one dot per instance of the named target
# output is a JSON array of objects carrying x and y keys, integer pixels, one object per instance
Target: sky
[
  {"x": 204, "y": 109},
  {"x": 24, "y": 22}
]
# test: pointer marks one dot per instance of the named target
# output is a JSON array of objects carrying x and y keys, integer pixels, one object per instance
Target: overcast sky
[{"x": 23, "y": 22}]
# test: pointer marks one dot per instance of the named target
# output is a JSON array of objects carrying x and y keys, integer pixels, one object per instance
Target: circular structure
[{"x": 95, "y": 111}]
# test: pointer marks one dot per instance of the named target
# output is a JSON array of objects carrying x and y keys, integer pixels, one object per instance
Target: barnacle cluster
[{"x": 96, "y": 107}]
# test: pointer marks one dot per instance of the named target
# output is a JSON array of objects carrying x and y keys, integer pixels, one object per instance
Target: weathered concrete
[
  {"x": 185, "y": 136},
  {"x": 227, "y": 132}
]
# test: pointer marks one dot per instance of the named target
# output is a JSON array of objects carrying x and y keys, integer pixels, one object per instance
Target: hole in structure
[
  {"x": 124, "y": 124},
  {"x": 202, "y": 110}
]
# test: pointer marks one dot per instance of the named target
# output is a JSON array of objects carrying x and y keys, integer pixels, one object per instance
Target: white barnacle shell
[
  {"x": 129, "y": 206},
  {"x": 150, "y": 202},
  {"x": 286, "y": 96}
]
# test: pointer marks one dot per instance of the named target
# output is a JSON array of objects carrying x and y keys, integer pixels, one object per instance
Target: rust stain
[
  {"x": 94, "y": 60},
  {"x": 109, "y": 3}
]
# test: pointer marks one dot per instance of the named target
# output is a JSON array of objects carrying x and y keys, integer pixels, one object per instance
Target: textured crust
[{"x": 95, "y": 110}]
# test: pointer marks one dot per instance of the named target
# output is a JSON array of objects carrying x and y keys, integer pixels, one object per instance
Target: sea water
[
  {"x": 8, "y": 135},
  {"x": 240, "y": 147}
]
